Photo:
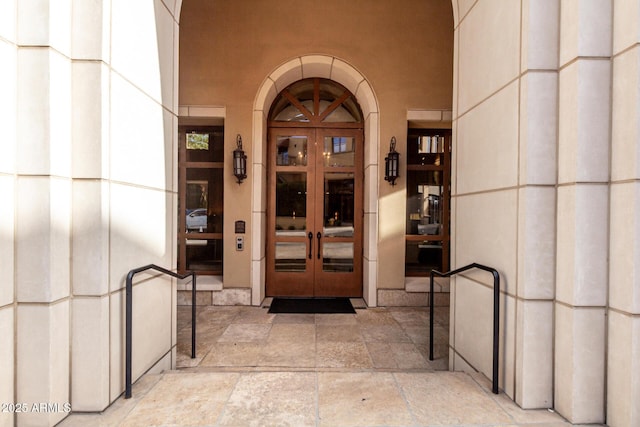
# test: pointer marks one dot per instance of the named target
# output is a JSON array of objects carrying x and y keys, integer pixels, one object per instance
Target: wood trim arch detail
[{"x": 338, "y": 70}]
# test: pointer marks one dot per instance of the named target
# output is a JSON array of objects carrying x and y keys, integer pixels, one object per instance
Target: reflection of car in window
[{"x": 197, "y": 219}]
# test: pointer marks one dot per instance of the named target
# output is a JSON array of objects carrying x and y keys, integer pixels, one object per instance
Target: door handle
[
  {"x": 319, "y": 235},
  {"x": 310, "y": 235}
]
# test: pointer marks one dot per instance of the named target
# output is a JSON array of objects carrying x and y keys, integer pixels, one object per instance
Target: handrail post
[
  {"x": 193, "y": 315},
  {"x": 431, "y": 315},
  {"x": 128, "y": 333},
  {"x": 129, "y": 317},
  {"x": 496, "y": 315},
  {"x": 496, "y": 329}
]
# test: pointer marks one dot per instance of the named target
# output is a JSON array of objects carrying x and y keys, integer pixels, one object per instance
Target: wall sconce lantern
[
  {"x": 239, "y": 161},
  {"x": 392, "y": 163}
]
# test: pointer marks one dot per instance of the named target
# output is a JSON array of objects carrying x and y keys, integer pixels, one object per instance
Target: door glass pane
[
  {"x": 291, "y": 203},
  {"x": 204, "y": 255},
  {"x": 291, "y": 113},
  {"x": 340, "y": 115},
  {"x": 422, "y": 257},
  {"x": 306, "y": 92},
  {"x": 338, "y": 204},
  {"x": 337, "y": 257},
  {"x": 291, "y": 256},
  {"x": 284, "y": 111},
  {"x": 204, "y": 200},
  {"x": 424, "y": 202},
  {"x": 339, "y": 151},
  {"x": 291, "y": 150}
]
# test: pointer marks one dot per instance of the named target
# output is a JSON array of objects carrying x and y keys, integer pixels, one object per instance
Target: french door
[{"x": 315, "y": 212}]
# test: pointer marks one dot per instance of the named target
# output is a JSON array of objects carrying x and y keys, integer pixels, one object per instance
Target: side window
[
  {"x": 428, "y": 199},
  {"x": 200, "y": 201}
]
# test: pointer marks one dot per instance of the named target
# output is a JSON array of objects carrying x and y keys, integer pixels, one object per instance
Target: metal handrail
[
  {"x": 129, "y": 315},
  {"x": 496, "y": 313}
]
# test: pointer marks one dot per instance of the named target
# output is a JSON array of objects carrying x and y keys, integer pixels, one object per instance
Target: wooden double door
[{"x": 315, "y": 212}]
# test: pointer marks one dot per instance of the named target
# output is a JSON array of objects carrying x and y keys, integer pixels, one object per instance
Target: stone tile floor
[{"x": 259, "y": 369}]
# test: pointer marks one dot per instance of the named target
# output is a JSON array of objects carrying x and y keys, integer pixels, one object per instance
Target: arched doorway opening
[
  {"x": 314, "y": 187},
  {"x": 337, "y": 70}
]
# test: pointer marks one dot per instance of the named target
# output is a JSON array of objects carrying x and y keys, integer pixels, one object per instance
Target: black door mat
[{"x": 311, "y": 305}]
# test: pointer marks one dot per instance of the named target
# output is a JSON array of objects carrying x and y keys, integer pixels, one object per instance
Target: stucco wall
[{"x": 403, "y": 50}]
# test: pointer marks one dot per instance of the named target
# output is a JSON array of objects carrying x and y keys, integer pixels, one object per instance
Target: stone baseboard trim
[
  {"x": 402, "y": 298},
  {"x": 229, "y": 296}
]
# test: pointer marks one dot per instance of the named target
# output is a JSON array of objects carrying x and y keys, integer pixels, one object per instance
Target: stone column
[
  {"x": 537, "y": 203},
  {"x": 90, "y": 240},
  {"x": 485, "y": 181},
  {"x": 583, "y": 206},
  {"x": 8, "y": 76},
  {"x": 139, "y": 168},
  {"x": 43, "y": 208},
  {"x": 623, "y": 370}
]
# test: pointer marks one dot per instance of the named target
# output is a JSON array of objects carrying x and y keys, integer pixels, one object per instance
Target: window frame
[
  {"x": 444, "y": 168},
  {"x": 183, "y": 166}
]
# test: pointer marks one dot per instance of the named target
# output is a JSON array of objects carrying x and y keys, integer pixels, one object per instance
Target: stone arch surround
[{"x": 338, "y": 70}]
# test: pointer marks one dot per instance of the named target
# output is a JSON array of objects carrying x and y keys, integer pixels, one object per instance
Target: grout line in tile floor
[{"x": 369, "y": 369}]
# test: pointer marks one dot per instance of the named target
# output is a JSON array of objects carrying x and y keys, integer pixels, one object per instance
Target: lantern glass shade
[
  {"x": 239, "y": 165},
  {"x": 391, "y": 165}
]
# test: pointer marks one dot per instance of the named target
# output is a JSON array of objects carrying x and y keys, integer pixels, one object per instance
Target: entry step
[{"x": 421, "y": 284}]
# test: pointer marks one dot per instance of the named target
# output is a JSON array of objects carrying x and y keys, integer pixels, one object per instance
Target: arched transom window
[{"x": 315, "y": 103}]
